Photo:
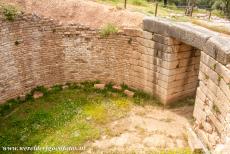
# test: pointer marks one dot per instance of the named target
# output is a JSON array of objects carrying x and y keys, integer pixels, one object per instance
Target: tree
[
  {"x": 165, "y": 3},
  {"x": 223, "y": 5},
  {"x": 190, "y": 6}
]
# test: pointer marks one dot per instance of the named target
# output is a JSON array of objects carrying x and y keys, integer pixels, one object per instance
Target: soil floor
[{"x": 146, "y": 129}]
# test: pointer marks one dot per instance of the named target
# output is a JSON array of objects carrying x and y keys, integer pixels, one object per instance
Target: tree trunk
[
  {"x": 165, "y": 3},
  {"x": 190, "y": 6}
]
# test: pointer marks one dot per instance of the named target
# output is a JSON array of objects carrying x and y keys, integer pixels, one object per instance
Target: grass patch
[
  {"x": 148, "y": 8},
  {"x": 139, "y": 2},
  {"x": 174, "y": 151},
  {"x": 108, "y": 30},
  {"x": 189, "y": 101},
  {"x": 10, "y": 12},
  {"x": 214, "y": 27},
  {"x": 64, "y": 117}
]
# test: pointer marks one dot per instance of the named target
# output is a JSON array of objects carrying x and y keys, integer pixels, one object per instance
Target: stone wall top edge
[
  {"x": 211, "y": 42},
  {"x": 32, "y": 17}
]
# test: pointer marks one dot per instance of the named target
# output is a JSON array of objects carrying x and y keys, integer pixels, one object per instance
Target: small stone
[
  {"x": 117, "y": 87},
  {"x": 207, "y": 127},
  {"x": 22, "y": 97},
  {"x": 212, "y": 139},
  {"x": 99, "y": 86},
  {"x": 65, "y": 87},
  {"x": 88, "y": 118},
  {"x": 76, "y": 133},
  {"x": 129, "y": 93},
  {"x": 37, "y": 94}
]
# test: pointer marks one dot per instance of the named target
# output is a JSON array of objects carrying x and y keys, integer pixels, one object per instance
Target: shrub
[
  {"x": 10, "y": 12},
  {"x": 108, "y": 29}
]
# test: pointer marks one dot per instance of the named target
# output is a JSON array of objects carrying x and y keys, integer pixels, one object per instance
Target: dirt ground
[
  {"x": 85, "y": 12},
  {"x": 146, "y": 129}
]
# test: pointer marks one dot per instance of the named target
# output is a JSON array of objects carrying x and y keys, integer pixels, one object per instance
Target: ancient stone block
[
  {"x": 116, "y": 87},
  {"x": 37, "y": 94},
  {"x": 99, "y": 86},
  {"x": 129, "y": 93}
]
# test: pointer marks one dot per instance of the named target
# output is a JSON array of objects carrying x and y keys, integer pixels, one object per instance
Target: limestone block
[
  {"x": 37, "y": 94},
  {"x": 147, "y": 35},
  {"x": 217, "y": 123},
  {"x": 129, "y": 93},
  {"x": 146, "y": 42},
  {"x": 216, "y": 47},
  {"x": 165, "y": 40},
  {"x": 133, "y": 32},
  {"x": 116, "y": 87},
  {"x": 223, "y": 71},
  {"x": 99, "y": 86},
  {"x": 22, "y": 97},
  {"x": 225, "y": 88},
  {"x": 222, "y": 102},
  {"x": 201, "y": 94},
  {"x": 207, "y": 127},
  {"x": 201, "y": 133},
  {"x": 194, "y": 143},
  {"x": 198, "y": 112}
]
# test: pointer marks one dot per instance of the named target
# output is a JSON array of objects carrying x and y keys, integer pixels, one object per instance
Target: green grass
[
  {"x": 214, "y": 27},
  {"x": 189, "y": 101},
  {"x": 68, "y": 117},
  {"x": 148, "y": 8},
  {"x": 108, "y": 30},
  {"x": 10, "y": 12}
]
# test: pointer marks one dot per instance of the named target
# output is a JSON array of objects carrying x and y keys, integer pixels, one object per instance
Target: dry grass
[{"x": 214, "y": 27}]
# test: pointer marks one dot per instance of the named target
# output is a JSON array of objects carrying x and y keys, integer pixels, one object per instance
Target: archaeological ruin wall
[
  {"x": 168, "y": 59},
  {"x": 212, "y": 105}
]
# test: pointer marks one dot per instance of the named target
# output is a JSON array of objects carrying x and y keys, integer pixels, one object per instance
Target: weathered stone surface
[
  {"x": 194, "y": 143},
  {"x": 129, "y": 93},
  {"x": 99, "y": 86},
  {"x": 116, "y": 87},
  {"x": 22, "y": 97},
  {"x": 65, "y": 87},
  {"x": 207, "y": 127},
  {"x": 37, "y": 94},
  {"x": 199, "y": 37}
]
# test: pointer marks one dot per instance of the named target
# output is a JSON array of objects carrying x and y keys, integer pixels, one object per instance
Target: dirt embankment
[{"x": 84, "y": 12}]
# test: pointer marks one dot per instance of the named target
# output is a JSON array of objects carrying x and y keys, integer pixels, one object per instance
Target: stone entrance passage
[
  {"x": 178, "y": 68},
  {"x": 207, "y": 54}
]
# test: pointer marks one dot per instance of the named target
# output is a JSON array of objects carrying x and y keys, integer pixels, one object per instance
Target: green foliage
[
  {"x": 215, "y": 108},
  {"x": 40, "y": 89},
  {"x": 56, "y": 88},
  {"x": 10, "y": 12},
  {"x": 74, "y": 113},
  {"x": 139, "y": 2},
  {"x": 108, "y": 30},
  {"x": 60, "y": 113},
  {"x": 9, "y": 106}
]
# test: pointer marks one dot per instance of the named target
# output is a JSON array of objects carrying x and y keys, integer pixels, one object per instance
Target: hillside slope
[{"x": 84, "y": 12}]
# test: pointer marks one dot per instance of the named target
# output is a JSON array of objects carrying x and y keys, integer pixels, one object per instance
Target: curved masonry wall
[
  {"x": 38, "y": 51},
  {"x": 164, "y": 59},
  {"x": 212, "y": 106}
]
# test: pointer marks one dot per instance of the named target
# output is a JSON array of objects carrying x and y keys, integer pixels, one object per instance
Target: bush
[
  {"x": 10, "y": 12},
  {"x": 108, "y": 29}
]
